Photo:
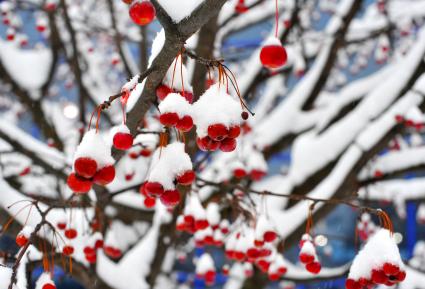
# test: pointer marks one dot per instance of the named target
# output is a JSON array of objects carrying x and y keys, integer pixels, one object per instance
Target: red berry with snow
[
  {"x": 71, "y": 233},
  {"x": 104, "y": 176},
  {"x": 170, "y": 198},
  {"x": 234, "y": 132},
  {"x": 79, "y": 185},
  {"x": 314, "y": 267},
  {"x": 169, "y": 119},
  {"x": 149, "y": 202},
  {"x": 68, "y": 250},
  {"x": 123, "y": 141},
  {"x": 85, "y": 167},
  {"x": 239, "y": 173},
  {"x": 228, "y": 145},
  {"x": 21, "y": 240},
  {"x": 273, "y": 54},
  {"x": 207, "y": 144},
  {"x": 162, "y": 91},
  {"x": 185, "y": 124},
  {"x": 154, "y": 188},
  {"x": 217, "y": 132},
  {"x": 142, "y": 12},
  {"x": 186, "y": 178}
]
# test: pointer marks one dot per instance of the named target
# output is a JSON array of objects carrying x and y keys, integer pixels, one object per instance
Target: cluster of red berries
[
  {"x": 418, "y": 126},
  {"x": 90, "y": 166},
  {"x": 388, "y": 274},
  {"x": 163, "y": 90},
  {"x": 308, "y": 256},
  {"x": 142, "y": 12},
  {"x": 254, "y": 174},
  {"x": 219, "y": 137},
  {"x": 176, "y": 112}
]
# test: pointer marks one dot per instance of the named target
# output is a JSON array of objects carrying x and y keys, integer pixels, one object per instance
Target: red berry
[
  {"x": 390, "y": 269},
  {"x": 71, "y": 233},
  {"x": 306, "y": 258},
  {"x": 201, "y": 224},
  {"x": 244, "y": 115},
  {"x": 61, "y": 225},
  {"x": 218, "y": 132},
  {"x": 253, "y": 253},
  {"x": 273, "y": 56},
  {"x": 149, "y": 202},
  {"x": 21, "y": 240},
  {"x": 274, "y": 276},
  {"x": 170, "y": 198},
  {"x": 313, "y": 267},
  {"x": 185, "y": 124},
  {"x": 162, "y": 91},
  {"x": 25, "y": 171},
  {"x": 207, "y": 144},
  {"x": 145, "y": 153},
  {"x": 142, "y": 12},
  {"x": 241, "y": 7},
  {"x": 123, "y": 141},
  {"x": 104, "y": 176},
  {"x": 78, "y": 184},
  {"x": 112, "y": 252},
  {"x": 49, "y": 286},
  {"x": 351, "y": 284},
  {"x": 187, "y": 95},
  {"x": 228, "y": 145},
  {"x": 154, "y": 188},
  {"x": 399, "y": 118},
  {"x": 134, "y": 155},
  {"x": 89, "y": 250},
  {"x": 257, "y": 175},
  {"x": 68, "y": 250},
  {"x": 85, "y": 167},
  {"x": 270, "y": 236},
  {"x": 239, "y": 173},
  {"x": 186, "y": 178},
  {"x": 401, "y": 276},
  {"x": 169, "y": 119},
  {"x": 378, "y": 277},
  {"x": 209, "y": 277},
  {"x": 91, "y": 258},
  {"x": 234, "y": 132}
]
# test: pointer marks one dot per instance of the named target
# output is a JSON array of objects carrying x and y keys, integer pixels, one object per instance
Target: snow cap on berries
[
  {"x": 205, "y": 263},
  {"x": 216, "y": 106},
  {"x": 381, "y": 248},
  {"x": 174, "y": 102},
  {"x": 93, "y": 146},
  {"x": 213, "y": 214}
]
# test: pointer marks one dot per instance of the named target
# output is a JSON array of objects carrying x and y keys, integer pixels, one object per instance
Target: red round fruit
[
  {"x": 68, "y": 250},
  {"x": 142, "y": 12},
  {"x": 401, "y": 276},
  {"x": 104, "y": 176},
  {"x": 149, "y": 202},
  {"x": 49, "y": 286},
  {"x": 71, "y": 233},
  {"x": 218, "y": 132},
  {"x": 162, "y": 91},
  {"x": 89, "y": 250},
  {"x": 270, "y": 236},
  {"x": 306, "y": 258},
  {"x": 234, "y": 132},
  {"x": 273, "y": 56},
  {"x": 78, "y": 184},
  {"x": 207, "y": 144},
  {"x": 378, "y": 277},
  {"x": 123, "y": 141},
  {"x": 21, "y": 240},
  {"x": 351, "y": 284},
  {"x": 145, "y": 153},
  {"x": 314, "y": 267},
  {"x": 239, "y": 173},
  {"x": 169, "y": 119},
  {"x": 154, "y": 188},
  {"x": 257, "y": 175},
  {"x": 61, "y": 225},
  {"x": 187, "y": 95},
  {"x": 241, "y": 7},
  {"x": 170, "y": 198},
  {"x": 391, "y": 269},
  {"x": 91, "y": 258},
  {"x": 186, "y": 178},
  {"x": 85, "y": 167},
  {"x": 201, "y": 224},
  {"x": 185, "y": 124},
  {"x": 228, "y": 145}
]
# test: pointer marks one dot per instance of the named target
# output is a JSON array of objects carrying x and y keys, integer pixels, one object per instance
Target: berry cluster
[
  {"x": 308, "y": 256},
  {"x": 171, "y": 168},
  {"x": 93, "y": 163}
]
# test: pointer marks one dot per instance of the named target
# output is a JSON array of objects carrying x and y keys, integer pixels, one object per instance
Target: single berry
[
  {"x": 169, "y": 119},
  {"x": 78, "y": 184},
  {"x": 123, "y": 141},
  {"x": 85, "y": 167},
  {"x": 186, "y": 178},
  {"x": 142, "y": 12},
  {"x": 228, "y": 145},
  {"x": 170, "y": 198},
  {"x": 104, "y": 176},
  {"x": 218, "y": 132},
  {"x": 273, "y": 56},
  {"x": 154, "y": 188},
  {"x": 185, "y": 124}
]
